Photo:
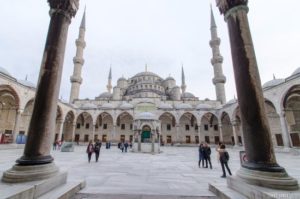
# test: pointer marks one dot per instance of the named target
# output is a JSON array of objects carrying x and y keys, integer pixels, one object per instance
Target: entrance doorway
[{"x": 146, "y": 134}]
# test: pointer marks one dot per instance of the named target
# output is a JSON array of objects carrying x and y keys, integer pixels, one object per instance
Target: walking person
[
  {"x": 224, "y": 158},
  {"x": 90, "y": 150},
  {"x": 54, "y": 145},
  {"x": 97, "y": 149},
  {"x": 201, "y": 155},
  {"x": 122, "y": 146},
  {"x": 126, "y": 146},
  {"x": 207, "y": 153}
]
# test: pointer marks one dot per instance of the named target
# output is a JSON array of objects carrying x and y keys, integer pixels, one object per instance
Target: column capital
[
  {"x": 225, "y": 5},
  {"x": 65, "y": 7}
]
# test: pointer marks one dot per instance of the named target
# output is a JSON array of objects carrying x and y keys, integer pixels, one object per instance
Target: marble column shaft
[
  {"x": 285, "y": 132},
  {"x": 42, "y": 123},
  {"x": 17, "y": 125},
  {"x": 236, "y": 140}
]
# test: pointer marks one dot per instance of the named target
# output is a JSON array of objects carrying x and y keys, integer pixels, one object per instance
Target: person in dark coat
[
  {"x": 97, "y": 149},
  {"x": 126, "y": 146},
  {"x": 224, "y": 158},
  {"x": 201, "y": 155},
  {"x": 90, "y": 150},
  {"x": 206, "y": 155}
]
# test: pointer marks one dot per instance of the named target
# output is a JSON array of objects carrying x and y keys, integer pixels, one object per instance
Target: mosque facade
[{"x": 149, "y": 108}]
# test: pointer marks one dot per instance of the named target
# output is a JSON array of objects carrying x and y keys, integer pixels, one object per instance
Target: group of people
[
  {"x": 222, "y": 157},
  {"x": 56, "y": 145},
  {"x": 123, "y": 146},
  {"x": 93, "y": 148}
]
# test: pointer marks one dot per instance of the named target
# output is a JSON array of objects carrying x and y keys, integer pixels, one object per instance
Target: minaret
[
  {"x": 78, "y": 61},
  {"x": 109, "y": 86},
  {"x": 217, "y": 60},
  {"x": 183, "y": 85}
]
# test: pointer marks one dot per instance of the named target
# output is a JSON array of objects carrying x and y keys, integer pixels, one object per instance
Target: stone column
[
  {"x": 114, "y": 132},
  {"x": 93, "y": 132},
  {"x": 73, "y": 131},
  {"x": 285, "y": 133},
  {"x": 236, "y": 140},
  {"x": 61, "y": 128},
  {"x": 139, "y": 141},
  {"x": 17, "y": 125},
  {"x": 199, "y": 133},
  {"x": 221, "y": 132},
  {"x": 261, "y": 168},
  {"x": 177, "y": 134},
  {"x": 152, "y": 140},
  {"x": 36, "y": 162}
]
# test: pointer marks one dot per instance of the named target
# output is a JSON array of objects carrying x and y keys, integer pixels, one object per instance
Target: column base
[
  {"x": 21, "y": 173},
  {"x": 274, "y": 180}
]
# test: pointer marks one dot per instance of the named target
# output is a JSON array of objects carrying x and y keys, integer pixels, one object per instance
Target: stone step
[
  {"x": 32, "y": 189},
  {"x": 222, "y": 191},
  {"x": 137, "y": 196},
  {"x": 65, "y": 191}
]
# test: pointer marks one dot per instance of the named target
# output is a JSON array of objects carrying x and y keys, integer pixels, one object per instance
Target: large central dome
[{"x": 146, "y": 73}]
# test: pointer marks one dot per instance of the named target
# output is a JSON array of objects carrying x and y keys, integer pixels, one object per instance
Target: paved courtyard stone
[{"x": 174, "y": 173}]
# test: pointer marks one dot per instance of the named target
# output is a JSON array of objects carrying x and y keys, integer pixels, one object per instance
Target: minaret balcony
[
  {"x": 80, "y": 43},
  {"x": 215, "y": 42},
  {"x": 219, "y": 80},
  {"x": 78, "y": 60},
  {"x": 217, "y": 60},
  {"x": 75, "y": 79}
]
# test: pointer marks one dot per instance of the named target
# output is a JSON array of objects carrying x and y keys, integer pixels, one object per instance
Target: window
[
  {"x": 168, "y": 127},
  {"x": 187, "y": 127},
  {"x": 104, "y": 126},
  {"x": 78, "y": 125},
  {"x": 123, "y": 126},
  {"x": 196, "y": 127},
  {"x": 206, "y": 127},
  {"x": 87, "y": 125},
  {"x": 130, "y": 126},
  {"x": 216, "y": 127}
]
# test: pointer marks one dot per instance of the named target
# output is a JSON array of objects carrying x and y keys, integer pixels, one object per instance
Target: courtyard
[{"x": 172, "y": 173}]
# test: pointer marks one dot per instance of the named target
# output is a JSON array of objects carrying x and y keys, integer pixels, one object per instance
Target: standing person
[
  {"x": 126, "y": 146},
  {"x": 54, "y": 145},
  {"x": 97, "y": 149},
  {"x": 90, "y": 150},
  {"x": 201, "y": 155},
  {"x": 122, "y": 146},
  {"x": 224, "y": 158},
  {"x": 206, "y": 154}
]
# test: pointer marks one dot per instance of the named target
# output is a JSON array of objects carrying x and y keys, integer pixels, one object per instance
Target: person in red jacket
[{"x": 90, "y": 150}]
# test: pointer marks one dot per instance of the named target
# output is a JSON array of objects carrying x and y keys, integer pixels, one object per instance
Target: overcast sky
[{"x": 127, "y": 34}]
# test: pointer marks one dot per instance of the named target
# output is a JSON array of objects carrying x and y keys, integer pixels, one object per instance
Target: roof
[
  {"x": 126, "y": 106},
  {"x": 297, "y": 71},
  {"x": 183, "y": 106},
  {"x": 26, "y": 83},
  {"x": 273, "y": 82},
  {"x": 187, "y": 95},
  {"x": 147, "y": 73},
  {"x": 203, "y": 106},
  {"x": 105, "y": 95},
  {"x": 4, "y": 71},
  {"x": 145, "y": 116},
  {"x": 165, "y": 106},
  {"x": 107, "y": 106}
]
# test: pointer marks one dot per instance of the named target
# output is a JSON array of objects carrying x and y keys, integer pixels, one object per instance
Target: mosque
[{"x": 150, "y": 109}]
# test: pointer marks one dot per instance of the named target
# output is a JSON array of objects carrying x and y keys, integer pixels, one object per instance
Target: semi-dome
[
  {"x": 297, "y": 71},
  {"x": 165, "y": 106},
  {"x": 126, "y": 106},
  {"x": 4, "y": 71},
  {"x": 203, "y": 106},
  {"x": 107, "y": 106},
  {"x": 105, "y": 95},
  {"x": 183, "y": 106},
  {"x": 187, "y": 95},
  {"x": 273, "y": 82},
  {"x": 26, "y": 83},
  {"x": 88, "y": 106},
  {"x": 145, "y": 116}
]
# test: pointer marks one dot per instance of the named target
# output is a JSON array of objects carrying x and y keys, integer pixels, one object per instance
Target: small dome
[
  {"x": 126, "y": 106},
  {"x": 122, "y": 79},
  {"x": 273, "y": 82},
  {"x": 26, "y": 83},
  {"x": 4, "y": 71},
  {"x": 297, "y": 71},
  {"x": 232, "y": 101},
  {"x": 187, "y": 95},
  {"x": 88, "y": 106},
  {"x": 105, "y": 95},
  {"x": 145, "y": 116},
  {"x": 203, "y": 106},
  {"x": 165, "y": 106},
  {"x": 107, "y": 106},
  {"x": 183, "y": 106},
  {"x": 169, "y": 78}
]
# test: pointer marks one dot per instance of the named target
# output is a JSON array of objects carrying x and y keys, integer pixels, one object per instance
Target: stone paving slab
[{"x": 173, "y": 173}]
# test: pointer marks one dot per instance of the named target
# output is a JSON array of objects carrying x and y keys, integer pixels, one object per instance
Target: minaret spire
[
  {"x": 109, "y": 85},
  {"x": 217, "y": 60},
  {"x": 78, "y": 61},
  {"x": 183, "y": 85}
]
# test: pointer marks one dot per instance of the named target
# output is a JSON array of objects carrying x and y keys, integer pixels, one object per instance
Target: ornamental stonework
[{"x": 225, "y": 5}]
